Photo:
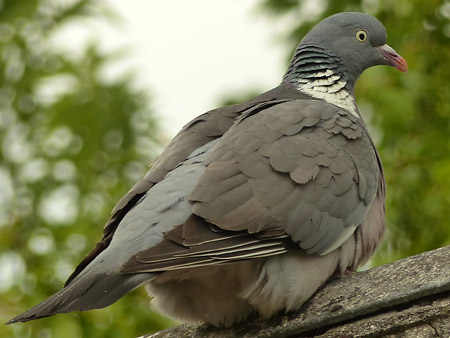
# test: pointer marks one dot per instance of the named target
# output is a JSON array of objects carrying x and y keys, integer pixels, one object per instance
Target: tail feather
[{"x": 87, "y": 293}]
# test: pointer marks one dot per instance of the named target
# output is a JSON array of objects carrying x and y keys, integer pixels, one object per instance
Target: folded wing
[{"x": 301, "y": 174}]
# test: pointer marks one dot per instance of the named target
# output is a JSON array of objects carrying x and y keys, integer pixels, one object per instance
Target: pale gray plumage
[{"x": 251, "y": 207}]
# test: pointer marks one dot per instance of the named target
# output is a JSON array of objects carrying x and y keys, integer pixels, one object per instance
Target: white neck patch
[{"x": 330, "y": 89}]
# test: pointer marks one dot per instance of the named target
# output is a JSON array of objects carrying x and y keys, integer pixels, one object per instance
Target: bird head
[{"x": 356, "y": 40}]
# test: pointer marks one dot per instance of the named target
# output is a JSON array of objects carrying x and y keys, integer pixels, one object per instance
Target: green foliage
[
  {"x": 408, "y": 114},
  {"x": 72, "y": 144}
]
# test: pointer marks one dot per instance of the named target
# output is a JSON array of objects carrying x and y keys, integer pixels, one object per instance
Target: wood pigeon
[{"x": 251, "y": 207}]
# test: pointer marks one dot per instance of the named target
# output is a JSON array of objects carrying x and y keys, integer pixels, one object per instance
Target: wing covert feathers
[
  {"x": 298, "y": 174},
  {"x": 296, "y": 167}
]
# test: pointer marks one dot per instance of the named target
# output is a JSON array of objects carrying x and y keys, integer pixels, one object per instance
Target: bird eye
[{"x": 361, "y": 35}]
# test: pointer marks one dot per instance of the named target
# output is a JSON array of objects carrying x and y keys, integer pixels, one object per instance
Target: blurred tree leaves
[
  {"x": 408, "y": 114},
  {"x": 72, "y": 143}
]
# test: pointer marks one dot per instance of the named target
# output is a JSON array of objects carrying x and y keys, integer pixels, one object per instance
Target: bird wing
[
  {"x": 300, "y": 172},
  {"x": 195, "y": 134}
]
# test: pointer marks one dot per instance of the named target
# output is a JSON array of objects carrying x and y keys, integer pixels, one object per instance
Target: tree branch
[{"x": 408, "y": 297}]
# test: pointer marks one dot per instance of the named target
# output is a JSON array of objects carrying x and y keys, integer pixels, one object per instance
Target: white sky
[{"x": 190, "y": 54}]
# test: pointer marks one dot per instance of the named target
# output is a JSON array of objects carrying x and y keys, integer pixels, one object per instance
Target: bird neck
[{"x": 318, "y": 72}]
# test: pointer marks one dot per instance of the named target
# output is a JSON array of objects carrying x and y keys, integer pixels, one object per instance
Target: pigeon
[{"x": 251, "y": 207}]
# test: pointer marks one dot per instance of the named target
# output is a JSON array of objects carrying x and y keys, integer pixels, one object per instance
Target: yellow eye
[{"x": 361, "y": 35}]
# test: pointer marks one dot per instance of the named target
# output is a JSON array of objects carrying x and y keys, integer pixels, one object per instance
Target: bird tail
[{"x": 92, "y": 291}]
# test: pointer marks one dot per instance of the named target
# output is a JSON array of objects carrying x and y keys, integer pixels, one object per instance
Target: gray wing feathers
[
  {"x": 284, "y": 174},
  {"x": 195, "y": 134},
  {"x": 197, "y": 243},
  {"x": 296, "y": 166}
]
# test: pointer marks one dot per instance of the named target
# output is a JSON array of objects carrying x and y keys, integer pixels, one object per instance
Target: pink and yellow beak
[{"x": 393, "y": 58}]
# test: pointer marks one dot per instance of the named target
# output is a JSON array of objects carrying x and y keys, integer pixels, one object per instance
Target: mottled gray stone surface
[{"x": 407, "y": 298}]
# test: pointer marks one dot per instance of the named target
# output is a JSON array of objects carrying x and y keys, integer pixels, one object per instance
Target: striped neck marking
[
  {"x": 319, "y": 73},
  {"x": 328, "y": 87}
]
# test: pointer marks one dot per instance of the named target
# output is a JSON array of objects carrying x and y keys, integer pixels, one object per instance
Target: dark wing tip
[
  {"x": 25, "y": 317},
  {"x": 12, "y": 321}
]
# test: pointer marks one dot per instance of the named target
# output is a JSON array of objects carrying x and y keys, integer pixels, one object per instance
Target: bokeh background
[{"x": 79, "y": 124}]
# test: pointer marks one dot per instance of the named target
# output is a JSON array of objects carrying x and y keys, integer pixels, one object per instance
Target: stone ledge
[{"x": 407, "y": 298}]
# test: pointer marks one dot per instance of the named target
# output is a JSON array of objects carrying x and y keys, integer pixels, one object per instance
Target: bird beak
[{"x": 393, "y": 58}]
